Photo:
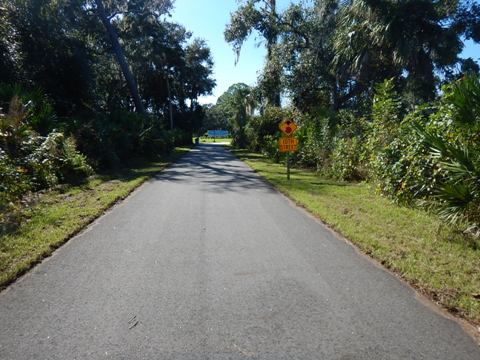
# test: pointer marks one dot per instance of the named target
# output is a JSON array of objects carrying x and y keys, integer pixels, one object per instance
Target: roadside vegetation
[
  {"x": 86, "y": 89},
  {"x": 80, "y": 93},
  {"x": 434, "y": 257},
  {"x": 389, "y": 101},
  {"x": 46, "y": 219},
  {"x": 389, "y": 128}
]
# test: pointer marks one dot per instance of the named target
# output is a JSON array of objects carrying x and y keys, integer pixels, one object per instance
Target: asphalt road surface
[{"x": 206, "y": 261}]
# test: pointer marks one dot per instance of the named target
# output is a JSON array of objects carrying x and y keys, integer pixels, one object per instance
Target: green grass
[
  {"x": 56, "y": 215},
  {"x": 218, "y": 140},
  {"x": 411, "y": 242}
]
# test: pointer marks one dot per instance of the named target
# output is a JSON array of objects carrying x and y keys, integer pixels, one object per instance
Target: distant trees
[{"x": 232, "y": 110}]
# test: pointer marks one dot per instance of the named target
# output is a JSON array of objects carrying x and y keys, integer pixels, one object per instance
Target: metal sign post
[{"x": 288, "y": 166}]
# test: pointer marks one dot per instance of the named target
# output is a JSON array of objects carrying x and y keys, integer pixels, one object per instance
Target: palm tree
[{"x": 408, "y": 36}]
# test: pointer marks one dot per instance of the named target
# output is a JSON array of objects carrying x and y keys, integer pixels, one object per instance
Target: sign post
[
  {"x": 288, "y": 166},
  {"x": 288, "y": 143}
]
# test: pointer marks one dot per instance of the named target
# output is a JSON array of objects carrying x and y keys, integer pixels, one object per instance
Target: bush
[
  {"x": 56, "y": 160},
  {"x": 347, "y": 160},
  {"x": 39, "y": 115},
  {"x": 316, "y": 140},
  {"x": 260, "y": 130},
  {"x": 13, "y": 181},
  {"x": 396, "y": 158},
  {"x": 29, "y": 161},
  {"x": 453, "y": 139},
  {"x": 111, "y": 141}
]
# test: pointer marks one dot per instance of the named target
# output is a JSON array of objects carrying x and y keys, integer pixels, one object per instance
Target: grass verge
[
  {"x": 56, "y": 215},
  {"x": 217, "y": 140},
  {"x": 411, "y": 242}
]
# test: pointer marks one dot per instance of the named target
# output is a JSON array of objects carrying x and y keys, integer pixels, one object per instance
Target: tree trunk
[{"x": 127, "y": 73}]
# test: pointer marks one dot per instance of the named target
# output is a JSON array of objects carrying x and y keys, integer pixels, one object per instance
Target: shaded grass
[
  {"x": 56, "y": 215},
  {"x": 411, "y": 242}
]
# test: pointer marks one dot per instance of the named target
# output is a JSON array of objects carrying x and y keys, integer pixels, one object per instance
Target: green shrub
[
  {"x": 13, "y": 181},
  {"x": 452, "y": 137},
  {"x": 396, "y": 158},
  {"x": 56, "y": 160},
  {"x": 38, "y": 114},
  {"x": 316, "y": 137},
  {"x": 347, "y": 160},
  {"x": 260, "y": 130},
  {"x": 457, "y": 197}
]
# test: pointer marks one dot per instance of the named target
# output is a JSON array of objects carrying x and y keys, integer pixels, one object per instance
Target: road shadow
[{"x": 213, "y": 167}]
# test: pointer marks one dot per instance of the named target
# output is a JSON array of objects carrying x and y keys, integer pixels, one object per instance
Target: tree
[
  {"x": 198, "y": 68},
  {"x": 47, "y": 49},
  {"x": 412, "y": 38},
  {"x": 234, "y": 103},
  {"x": 120, "y": 56},
  {"x": 261, "y": 16}
]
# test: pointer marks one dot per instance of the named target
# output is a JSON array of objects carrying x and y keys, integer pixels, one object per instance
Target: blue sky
[{"x": 207, "y": 20}]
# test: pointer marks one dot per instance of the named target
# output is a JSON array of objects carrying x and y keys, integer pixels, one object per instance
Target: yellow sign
[
  {"x": 287, "y": 144},
  {"x": 288, "y": 127}
]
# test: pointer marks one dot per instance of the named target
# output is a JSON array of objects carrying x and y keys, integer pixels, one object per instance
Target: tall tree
[
  {"x": 414, "y": 37},
  {"x": 120, "y": 56},
  {"x": 260, "y": 16}
]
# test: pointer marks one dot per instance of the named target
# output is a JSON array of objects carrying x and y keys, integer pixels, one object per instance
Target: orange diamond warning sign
[{"x": 288, "y": 127}]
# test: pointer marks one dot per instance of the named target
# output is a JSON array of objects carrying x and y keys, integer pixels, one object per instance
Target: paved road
[{"x": 208, "y": 262}]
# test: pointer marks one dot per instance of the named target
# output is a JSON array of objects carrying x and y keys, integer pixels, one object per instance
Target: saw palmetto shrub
[
  {"x": 453, "y": 139},
  {"x": 29, "y": 160}
]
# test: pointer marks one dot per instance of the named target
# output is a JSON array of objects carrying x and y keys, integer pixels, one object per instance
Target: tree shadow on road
[{"x": 215, "y": 169}]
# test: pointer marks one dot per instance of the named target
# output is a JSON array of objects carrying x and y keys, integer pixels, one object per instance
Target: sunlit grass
[
  {"x": 217, "y": 140},
  {"x": 58, "y": 214},
  {"x": 409, "y": 241}
]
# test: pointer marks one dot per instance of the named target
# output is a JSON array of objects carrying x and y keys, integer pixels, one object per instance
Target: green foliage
[
  {"x": 30, "y": 161},
  {"x": 462, "y": 104},
  {"x": 236, "y": 105},
  {"x": 316, "y": 140},
  {"x": 386, "y": 117},
  {"x": 384, "y": 146},
  {"x": 13, "y": 181},
  {"x": 260, "y": 16},
  {"x": 38, "y": 111},
  {"x": 347, "y": 160},
  {"x": 452, "y": 139},
  {"x": 432, "y": 154},
  {"x": 215, "y": 119},
  {"x": 56, "y": 160},
  {"x": 457, "y": 196},
  {"x": 113, "y": 140},
  {"x": 262, "y": 129}
]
